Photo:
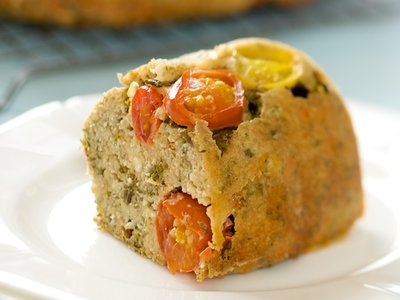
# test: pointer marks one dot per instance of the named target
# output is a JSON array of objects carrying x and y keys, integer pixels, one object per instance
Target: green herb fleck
[
  {"x": 156, "y": 172},
  {"x": 248, "y": 153},
  {"x": 128, "y": 194},
  {"x": 116, "y": 136}
]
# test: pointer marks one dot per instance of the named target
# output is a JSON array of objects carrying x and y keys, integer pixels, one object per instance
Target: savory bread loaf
[
  {"x": 120, "y": 13},
  {"x": 224, "y": 160}
]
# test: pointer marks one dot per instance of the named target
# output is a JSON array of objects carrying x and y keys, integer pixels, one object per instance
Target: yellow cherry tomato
[{"x": 265, "y": 68}]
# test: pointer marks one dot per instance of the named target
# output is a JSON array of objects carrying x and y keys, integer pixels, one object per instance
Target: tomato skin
[
  {"x": 183, "y": 231},
  {"x": 221, "y": 116},
  {"x": 144, "y": 104}
]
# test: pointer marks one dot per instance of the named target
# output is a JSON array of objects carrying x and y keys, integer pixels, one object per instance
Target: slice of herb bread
[{"x": 224, "y": 160}]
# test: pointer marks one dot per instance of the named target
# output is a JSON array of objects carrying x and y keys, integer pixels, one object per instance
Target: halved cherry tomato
[
  {"x": 144, "y": 104},
  {"x": 216, "y": 96},
  {"x": 183, "y": 231},
  {"x": 263, "y": 69}
]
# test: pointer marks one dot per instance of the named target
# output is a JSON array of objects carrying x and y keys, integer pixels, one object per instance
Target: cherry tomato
[
  {"x": 216, "y": 96},
  {"x": 183, "y": 231},
  {"x": 265, "y": 68},
  {"x": 144, "y": 104}
]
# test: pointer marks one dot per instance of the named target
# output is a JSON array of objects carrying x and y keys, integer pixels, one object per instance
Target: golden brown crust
[
  {"x": 120, "y": 13},
  {"x": 304, "y": 186},
  {"x": 289, "y": 175}
]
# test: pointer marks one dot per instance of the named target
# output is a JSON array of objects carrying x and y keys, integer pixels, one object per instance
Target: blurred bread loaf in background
[{"x": 122, "y": 13}]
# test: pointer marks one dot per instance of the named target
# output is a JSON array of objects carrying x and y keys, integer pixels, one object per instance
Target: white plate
[{"x": 50, "y": 247}]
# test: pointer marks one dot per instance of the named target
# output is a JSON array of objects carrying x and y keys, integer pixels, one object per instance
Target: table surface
[{"x": 357, "y": 42}]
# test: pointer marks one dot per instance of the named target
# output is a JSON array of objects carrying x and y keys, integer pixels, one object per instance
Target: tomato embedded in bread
[
  {"x": 144, "y": 105},
  {"x": 183, "y": 231},
  {"x": 216, "y": 96}
]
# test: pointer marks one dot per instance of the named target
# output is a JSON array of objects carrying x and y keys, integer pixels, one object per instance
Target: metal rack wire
[{"x": 27, "y": 51}]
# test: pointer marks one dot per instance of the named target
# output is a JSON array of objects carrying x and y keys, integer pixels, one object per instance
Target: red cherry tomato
[
  {"x": 183, "y": 231},
  {"x": 216, "y": 96},
  {"x": 144, "y": 104}
]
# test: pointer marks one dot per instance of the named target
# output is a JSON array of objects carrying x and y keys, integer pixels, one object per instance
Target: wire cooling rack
[{"x": 26, "y": 51}]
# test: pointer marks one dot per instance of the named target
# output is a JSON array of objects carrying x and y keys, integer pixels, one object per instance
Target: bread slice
[{"x": 285, "y": 180}]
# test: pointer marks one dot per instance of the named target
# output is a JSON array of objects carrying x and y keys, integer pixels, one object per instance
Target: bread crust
[{"x": 289, "y": 176}]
